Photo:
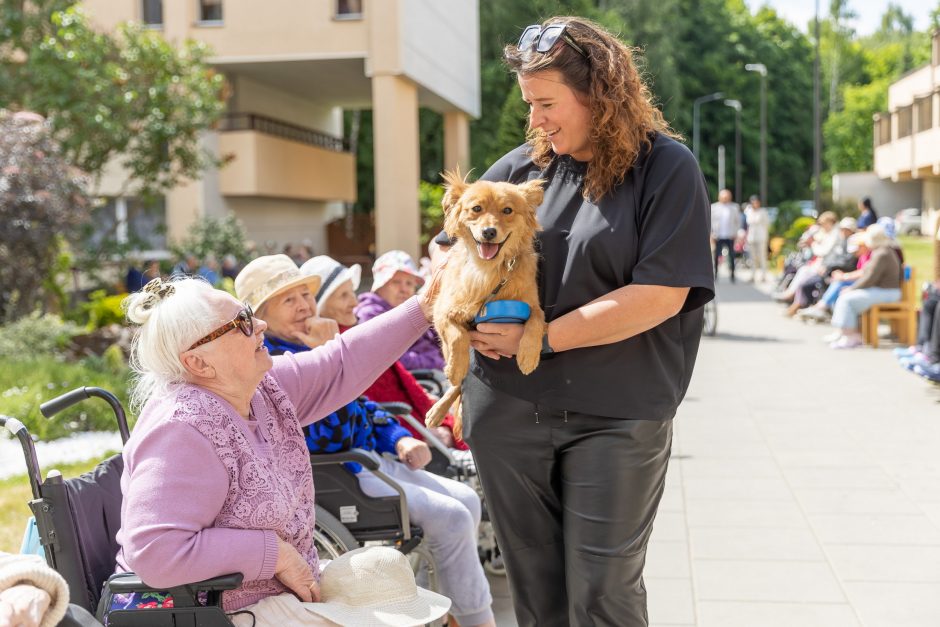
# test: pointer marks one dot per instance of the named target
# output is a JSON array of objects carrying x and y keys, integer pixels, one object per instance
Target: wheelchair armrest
[
  {"x": 130, "y": 582},
  {"x": 396, "y": 408},
  {"x": 367, "y": 459}
]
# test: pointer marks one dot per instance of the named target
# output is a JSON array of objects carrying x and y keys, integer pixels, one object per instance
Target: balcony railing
[{"x": 284, "y": 130}]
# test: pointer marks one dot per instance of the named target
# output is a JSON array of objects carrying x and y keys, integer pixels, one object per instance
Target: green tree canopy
[{"x": 128, "y": 96}]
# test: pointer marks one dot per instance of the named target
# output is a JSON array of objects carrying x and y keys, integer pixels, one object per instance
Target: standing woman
[{"x": 573, "y": 456}]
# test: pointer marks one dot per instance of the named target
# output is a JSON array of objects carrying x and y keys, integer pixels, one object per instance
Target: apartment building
[
  {"x": 293, "y": 67},
  {"x": 907, "y": 136}
]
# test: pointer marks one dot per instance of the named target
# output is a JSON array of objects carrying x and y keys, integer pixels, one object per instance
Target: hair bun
[{"x": 139, "y": 305}]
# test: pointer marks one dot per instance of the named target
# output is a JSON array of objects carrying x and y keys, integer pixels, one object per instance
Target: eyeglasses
[
  {"x": 544, "y": 39},
  {"x": 244, "y": 322}
]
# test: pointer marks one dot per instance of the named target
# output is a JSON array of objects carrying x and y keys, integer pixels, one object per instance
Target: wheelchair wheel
[
  {"x": 710, "y": 322},
  {"x": 330, "y": 536}
]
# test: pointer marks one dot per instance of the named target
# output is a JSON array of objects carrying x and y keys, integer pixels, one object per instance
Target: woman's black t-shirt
[{"x": 652, "y": 229}]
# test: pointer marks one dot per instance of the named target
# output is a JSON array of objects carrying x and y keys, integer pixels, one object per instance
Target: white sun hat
[
  {"x": 332, "y": 274},
  {"x": 375, "y": 587},
  {"x": 391, "y": 262}
]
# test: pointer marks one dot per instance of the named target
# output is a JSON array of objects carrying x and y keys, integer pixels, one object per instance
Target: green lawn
[
  {"x": 15, "y": 493},
  {"x": 918, "y": 253}
]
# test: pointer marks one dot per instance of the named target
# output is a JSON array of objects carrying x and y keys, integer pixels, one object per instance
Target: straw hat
[
  {"x": 391, "y": 262},
  {"x": 375, "y": 587},
  {"x": 265, "y": 277},
  {"x": 332, "y": 274}
]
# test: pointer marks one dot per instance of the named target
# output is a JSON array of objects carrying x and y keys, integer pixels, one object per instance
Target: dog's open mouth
[{"x": 489, "y": 250}]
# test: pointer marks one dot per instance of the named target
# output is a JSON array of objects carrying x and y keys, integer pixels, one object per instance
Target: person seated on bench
[
  {"x": 217, "y": 476},
  {"x": 880, "y": 283},
  {"x": 336, "y": 299},
  {"x": 448, "y": 511},
  {"x": 395, "y": 278},
  {"x": 924, "y": 356}
]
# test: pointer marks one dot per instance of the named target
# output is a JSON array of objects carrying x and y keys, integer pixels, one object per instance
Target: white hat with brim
[
  {"x": 391, "y": 262},
  {"x": 375, "y": 587},
  {"x": 875, "y": 237},
  {"x": 332, "y": 274},
  {"x": 266, "y": 277}
]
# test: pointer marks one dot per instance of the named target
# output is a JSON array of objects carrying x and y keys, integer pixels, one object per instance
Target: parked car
[{"x": 908, "y": 221}]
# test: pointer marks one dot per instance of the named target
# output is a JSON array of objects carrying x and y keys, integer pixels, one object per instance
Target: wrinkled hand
[
  {"x": 413, "y": 453},
  {"x": 294, "y": 572},
  {"x": 497, "y": 339},
  {"x": 23, "y": 604},
  {"x": 319, "y": 331},
  {"x": 444, "y": 435}
]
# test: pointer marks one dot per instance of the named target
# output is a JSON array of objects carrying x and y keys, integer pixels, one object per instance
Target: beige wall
[
  {"x": 303, "y": 27},
  {"x": 251, "y": 96},
  {"x": 284, "y": 221},
  {"x": 263, "y": 165}
]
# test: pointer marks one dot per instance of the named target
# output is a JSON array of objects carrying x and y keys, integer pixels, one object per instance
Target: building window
[
  {"x": 129, "y": 222},
  {"x": 883, "y": 129},
  {"x": 152, "y": 12},
  {"x": 924, "y": 110},
  {"x": 348, "y": 9},
  {"x": 905, "y": 121},
  {"x": 210, "y": 10}
]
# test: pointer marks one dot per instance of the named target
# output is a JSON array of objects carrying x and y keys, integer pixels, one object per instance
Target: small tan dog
[{"x": 494, "y": 258}]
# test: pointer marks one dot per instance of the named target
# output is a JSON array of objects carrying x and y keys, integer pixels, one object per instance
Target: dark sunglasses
[
  {"x": 244, "y": 322},
  {"x": 544, "y": 39}
]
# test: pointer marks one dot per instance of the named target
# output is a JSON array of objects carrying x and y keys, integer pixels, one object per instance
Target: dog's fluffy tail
[{"x": 438, "y": 411}]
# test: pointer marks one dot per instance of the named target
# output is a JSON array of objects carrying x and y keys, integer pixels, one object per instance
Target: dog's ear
[
  {"x": 454, "y": 187},
  {"x": 533, "y": 191}
]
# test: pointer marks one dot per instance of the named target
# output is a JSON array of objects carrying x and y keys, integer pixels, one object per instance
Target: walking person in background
[
  {"x": 867, "y": 215},
  {"x": 758, "y": 234},
  {"x": 726, "y": 221}
]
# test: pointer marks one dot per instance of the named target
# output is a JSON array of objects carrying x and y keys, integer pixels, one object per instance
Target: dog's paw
[
  {"x": 436, "y": 414},
  {"x": 528, "y": 361}
]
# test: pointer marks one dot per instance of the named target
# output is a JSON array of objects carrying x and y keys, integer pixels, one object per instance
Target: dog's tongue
[{"x": 488, "y": 251}]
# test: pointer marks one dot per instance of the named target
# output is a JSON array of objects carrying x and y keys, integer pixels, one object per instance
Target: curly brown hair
[{"x": 623, "y": 115}]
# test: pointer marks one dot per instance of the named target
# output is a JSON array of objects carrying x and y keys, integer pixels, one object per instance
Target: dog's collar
[{"x": 510, "y": 266}]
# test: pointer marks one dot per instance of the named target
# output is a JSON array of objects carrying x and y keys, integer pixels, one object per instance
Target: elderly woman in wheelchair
[
  {"x": 448, "y": 511},
  {"x": 217, "y": 477}
]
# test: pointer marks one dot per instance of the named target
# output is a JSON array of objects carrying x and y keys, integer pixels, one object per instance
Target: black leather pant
[{"x": 572, "y": 498}]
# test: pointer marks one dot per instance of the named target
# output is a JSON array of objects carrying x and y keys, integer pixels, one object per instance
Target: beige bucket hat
[
  {"x": 375, "y": 587},
  {"x": 265, "y": 277}
]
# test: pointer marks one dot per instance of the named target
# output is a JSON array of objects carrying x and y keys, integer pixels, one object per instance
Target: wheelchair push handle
[
  {"x": 19, "y": 430},
  {"x": 51, "y": 407}
]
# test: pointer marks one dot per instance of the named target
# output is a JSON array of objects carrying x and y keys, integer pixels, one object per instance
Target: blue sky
[{"x": 869, "y": 11}]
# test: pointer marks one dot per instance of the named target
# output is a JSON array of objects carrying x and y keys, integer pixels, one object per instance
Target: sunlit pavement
[{"x": 804, "y": 485}]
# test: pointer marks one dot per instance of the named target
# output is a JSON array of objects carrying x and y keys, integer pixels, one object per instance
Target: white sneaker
[
  {"x": 845, "y": 342},
  {"x": 835, "y": 336},
  {"x": 813, "y": 313}
]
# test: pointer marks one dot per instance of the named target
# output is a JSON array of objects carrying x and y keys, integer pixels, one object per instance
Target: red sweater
[{"x": 397, "y": 385}]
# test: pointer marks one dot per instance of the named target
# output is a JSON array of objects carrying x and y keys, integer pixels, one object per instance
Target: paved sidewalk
[{"x": 804, "y": 486}]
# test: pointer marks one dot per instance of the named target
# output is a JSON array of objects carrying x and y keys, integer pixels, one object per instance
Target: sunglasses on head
[
  {"x": 244, "y": 322},
  {"x": 544, "y": 39}
]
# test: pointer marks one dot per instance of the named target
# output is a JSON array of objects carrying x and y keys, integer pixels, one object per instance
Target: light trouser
[
  {"x": 831, "y": 295},
  {"x": 449, "y": 513},
  {"x": 852, "y": 303},
  {"x": 279, "y": 611},
  {"x": 757, "y": 247},
  {"x": 572, "y": 498}
]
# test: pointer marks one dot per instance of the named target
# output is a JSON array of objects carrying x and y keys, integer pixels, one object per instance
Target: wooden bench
[{"x": 902, "y": 315}]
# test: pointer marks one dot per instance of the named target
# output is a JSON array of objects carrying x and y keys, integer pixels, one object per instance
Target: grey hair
[{"x": 168, "y": 326}]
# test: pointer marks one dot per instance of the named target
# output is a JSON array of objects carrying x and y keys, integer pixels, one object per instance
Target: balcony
[{"x": 270, "y": 158}]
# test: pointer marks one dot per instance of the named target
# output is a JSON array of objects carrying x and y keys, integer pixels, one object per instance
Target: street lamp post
[
  {"x": 695, "y": 118},
  {"x": 736, "y": 105},
  {"x": 761, "y": 69},
  {"x": 817, "y": 135}
]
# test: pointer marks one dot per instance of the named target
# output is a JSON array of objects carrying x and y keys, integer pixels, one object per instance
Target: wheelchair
[
  {"x": 78, "y": 519},
  {"x": 433, "y": 381}
]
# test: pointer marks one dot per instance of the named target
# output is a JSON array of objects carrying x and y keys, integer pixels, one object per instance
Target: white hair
[{"x": 168, "y": 326}]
